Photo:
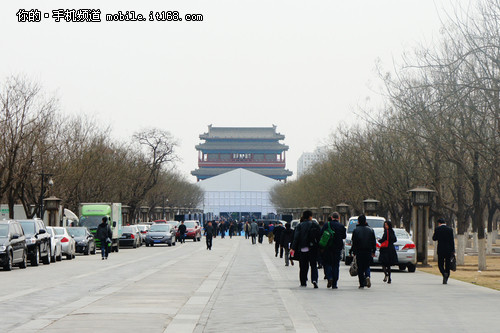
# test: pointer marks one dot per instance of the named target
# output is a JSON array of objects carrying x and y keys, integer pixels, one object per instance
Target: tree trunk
[
  {"x": 475, "y": 246},
  {"x": 489, "y": 248},
  {"x": 481, "y": 264},
  {"x": 461, "y": 242}
]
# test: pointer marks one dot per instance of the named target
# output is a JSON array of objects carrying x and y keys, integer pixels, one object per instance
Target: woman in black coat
[{"x": 388, "y": 256}]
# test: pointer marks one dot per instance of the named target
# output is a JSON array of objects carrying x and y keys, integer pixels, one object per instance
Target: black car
[
  {"x": 85, "y": 242},
  {"x": 37, "y": 240},
  {"x": 13, "y": 250},
  {"x": 130, "y": 237}
]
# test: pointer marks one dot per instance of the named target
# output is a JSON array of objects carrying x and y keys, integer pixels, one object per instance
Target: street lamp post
[
  {"x": 42, "y": 189},
  {"x": 421, "y": 199},
  {"x": 343, "y": 210},
  {"x": 370, "y": 206},
  {"x": 326, "y": 210}
]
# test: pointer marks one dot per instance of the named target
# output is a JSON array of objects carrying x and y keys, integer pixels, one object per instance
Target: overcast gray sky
[{"x": 302, "y": 65}]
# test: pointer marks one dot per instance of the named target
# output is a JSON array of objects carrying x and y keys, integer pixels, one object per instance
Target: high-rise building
[
  {"x": 307, "y": 160},
  {"x": 257, "y": 149}
]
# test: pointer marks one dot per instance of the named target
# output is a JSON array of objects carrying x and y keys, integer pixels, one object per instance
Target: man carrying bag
[{"x": 333, "y": 233}]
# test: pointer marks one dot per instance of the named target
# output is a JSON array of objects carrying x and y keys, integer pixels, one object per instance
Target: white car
[
  {"x": 143, "y": 229},
  {"x": 68, "y": 244},
  {"x": 373, "y": 222},
  {"x": 405, "y": 249},
  {"x": 55, "y": 244},
  {"x": 295, "y": 223}
]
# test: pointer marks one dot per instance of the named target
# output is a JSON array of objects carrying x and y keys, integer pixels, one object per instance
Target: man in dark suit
[
  {"x": 332, "y": 252},
  {"x": 364, "y": 246},
  {"x": 446, "y": 248}
]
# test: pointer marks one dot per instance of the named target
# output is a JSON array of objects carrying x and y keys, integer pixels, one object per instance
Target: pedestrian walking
[
  {"x": 254, "y": 229},
  {"x": 247, "y": 229},
  {"x": 231, "y": 230},
  {"x": 209, "y": 233},
  {"x": 332, "y": 252},
  {"x": 222, "y": 229},
  {"x": 262, "y": 231},
  {"x": 286, "y": 240},
  {"x": 364, "y": 246},
  {"x": 445, "y": 248},
  {"x": 388, "y": 256},
  {"x": 104, "y": 235},
  {"x": 305, "y": 241},
  {"x": 182, "y": 232},
  {"x": 278, "y": 232}
]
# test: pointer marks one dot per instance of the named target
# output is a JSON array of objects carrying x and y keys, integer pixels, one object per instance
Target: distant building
[
  {"x": 238, "y": 194},
  {"x": 307, "y": 160},
  {"x": 257, "y": 149}
]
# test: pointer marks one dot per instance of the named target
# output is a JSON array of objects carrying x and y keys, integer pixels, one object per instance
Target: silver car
[
  {"x": 405, "y": 248},
  {"x": 68, "y": 244},
  {"x": 56, "y": 247}
]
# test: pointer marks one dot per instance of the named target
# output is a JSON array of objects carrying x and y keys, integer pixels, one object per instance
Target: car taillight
[
  {"x": 64, "y": 240},
  {"x": 132, "y": 236},
  {"x": 143, "y": 232},
  {"x": 378, "y": 245},
  {"x": 409, "y": 246}
]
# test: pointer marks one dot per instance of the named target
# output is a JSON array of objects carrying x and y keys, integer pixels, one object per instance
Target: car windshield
[
  {"x": 4, "y": 230},
  {"x": 401, "y": 234},
  {"x": 90, "y": 221},
  {"x": 77, "y": 232},
  {"x": 173, "y": 223},
  {"x": 160, "y": 228},
  {"x": 59, "y": 231},
  {"x": 28, "y": 227},
  {"x": 50, "y": 231},
  {"x": 373, "y": 223},
  {"x": 190, "y": 224}
]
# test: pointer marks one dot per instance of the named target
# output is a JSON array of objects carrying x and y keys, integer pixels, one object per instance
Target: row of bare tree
[
  {"x": 440, "y": 127},
  {"x": 86, "y": 164}
]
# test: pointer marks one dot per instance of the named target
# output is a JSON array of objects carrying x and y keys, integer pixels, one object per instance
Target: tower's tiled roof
[{"x": 242, "y": 133}]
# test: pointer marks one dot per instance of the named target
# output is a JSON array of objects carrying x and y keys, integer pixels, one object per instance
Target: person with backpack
[
  {"x": 305, "y": 242},
  {"x": 331, "y": 245}
]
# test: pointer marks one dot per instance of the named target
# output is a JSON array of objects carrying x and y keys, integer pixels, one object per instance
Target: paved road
[{"x": 235, "y": 287}]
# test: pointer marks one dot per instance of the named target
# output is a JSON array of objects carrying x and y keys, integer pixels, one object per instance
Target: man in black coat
[
  {"x": 305, "y": 242},
  {"x": 332, "y": 252},
  {"x": 364, "y": 246},
  {"x": 104, "y": 235},
  {"x": 209, "y": 233},
  {"x": 278, "y": 231},
  {"x": 182, "y": 232},
  {"x": 445, "y": 249}
]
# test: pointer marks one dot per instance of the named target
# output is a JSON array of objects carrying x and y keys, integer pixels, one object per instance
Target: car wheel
[
  {"x": 135, "y": 245},
  {"x": 46, "y": 259},
  {"x": 412, "y": 268},
  {"x": 35, "y": 261},
  {"x": 117, "y": 247},
  {"x": 59, "y": 257},
  {"x": 402, "y": 267},
  {"x": 53, "y": 257},
  {"x": 87, "y": 252},
  {"x": 152, "y": 244},
  {"x": 24, "y": 263},
  {"x": 69, "y": 257},
  {"x": 8, "y": 264},
  {"x": 94, "y": 249},
  {"x": 147, "y": 245},
  {"x": 173, "y": 243},
  {"x": 169, "y": 244}
]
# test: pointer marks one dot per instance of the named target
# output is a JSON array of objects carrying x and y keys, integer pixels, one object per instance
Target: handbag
[
  {"x": 386, "y": 242},
  {"x": 296, "y": 255},
  {"x": 353, "y": 270},
  {"x": 453, "y": 263}
]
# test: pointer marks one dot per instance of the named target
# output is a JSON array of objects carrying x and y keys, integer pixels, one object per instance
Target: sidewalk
[{"x": 260, "y": 294}]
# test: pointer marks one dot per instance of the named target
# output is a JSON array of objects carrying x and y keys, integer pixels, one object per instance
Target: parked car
[
  {"x": 160, "y": 233},
  {"x": 13, "y": 249},
  {"x": 68, "y": 244},
  {"x": 143, "y": 229},
  {"x": 130, "y": 236},
  {"x": 405, "y": 248},
  {"x": 37, "y": 241},
  {"x": 193, "y": 230},
  {"x": 85, "y": 242},
  {"x": 373, "y": 222},
  {"x": 55, "y": 246}
]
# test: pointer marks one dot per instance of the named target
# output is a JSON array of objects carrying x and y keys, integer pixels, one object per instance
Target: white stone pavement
[{"x": 236, "y": 287}]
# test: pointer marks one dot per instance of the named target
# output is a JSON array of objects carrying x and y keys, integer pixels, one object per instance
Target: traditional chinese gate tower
[{"x": 256, "y": 149}]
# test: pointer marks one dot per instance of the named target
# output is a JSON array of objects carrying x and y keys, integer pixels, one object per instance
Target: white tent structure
[{"x": 238, "y": 191}]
